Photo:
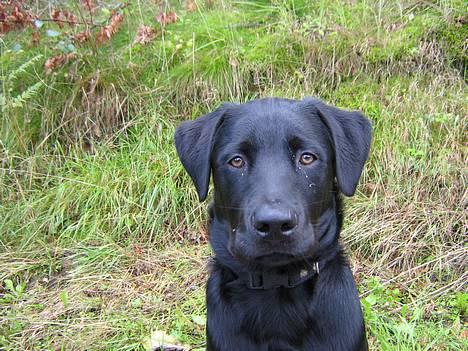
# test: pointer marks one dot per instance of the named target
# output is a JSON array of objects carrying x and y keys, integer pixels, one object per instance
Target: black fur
[{"x": 278, "y": 213}]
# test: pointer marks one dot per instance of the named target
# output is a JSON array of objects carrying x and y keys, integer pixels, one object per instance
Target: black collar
[{"x": 279, "y": 277}]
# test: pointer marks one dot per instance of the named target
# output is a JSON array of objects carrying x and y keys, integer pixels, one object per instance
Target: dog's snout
[{"x": 274, "y": 220}]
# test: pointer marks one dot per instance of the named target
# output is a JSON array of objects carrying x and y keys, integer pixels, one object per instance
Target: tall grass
[{"x": 101, "y": 232}]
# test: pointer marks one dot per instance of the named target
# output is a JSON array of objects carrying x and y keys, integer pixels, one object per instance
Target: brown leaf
[
  {"x": 12, "y": 16},
  {"x": 57, "y": 61},
  {"x": 56, "y": 16},
  {"x": 191, "y": 6},
  {"x": 108, "y": 31},
  {"x": 2, "y": 11},
  {"x": 18, "y": 13},
  {"x": 4, "y": 27},
  {"x": 166, "y": 18},
  {"x": 36, "y": 37},
  {"x": 70, "y": 18},
  {"x": 89, "y": 5},
  {"x": 144, "y": 35},
  {"x": 61, "y": 17},
  {"x": 116, "y": 20},
  {"x": 137, "y": 250},
  {"x": 81, "y": 37}
]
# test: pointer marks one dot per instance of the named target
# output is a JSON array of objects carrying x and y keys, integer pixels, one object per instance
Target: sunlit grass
[{"x": 101, "y": 232}]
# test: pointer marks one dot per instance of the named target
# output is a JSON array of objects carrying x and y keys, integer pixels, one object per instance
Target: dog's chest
[{"x": 275, "y": 315}]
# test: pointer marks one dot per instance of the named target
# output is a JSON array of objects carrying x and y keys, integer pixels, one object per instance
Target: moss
[
  {"x": 452, "y": 36},
  {"x": 401, "y": 44},
  {"x": 274, "y": 49}
]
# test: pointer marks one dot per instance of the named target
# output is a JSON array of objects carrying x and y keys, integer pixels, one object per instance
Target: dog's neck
[{"x": 328, "y": 231}]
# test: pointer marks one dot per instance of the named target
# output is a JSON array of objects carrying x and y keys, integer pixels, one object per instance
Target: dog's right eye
[
  {"x": 307, "y": 158},
  {"x": 237, "y": 162}
]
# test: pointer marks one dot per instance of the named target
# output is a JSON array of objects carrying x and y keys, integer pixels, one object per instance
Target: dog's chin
[
  {"x": 270, "y": 254},
  {"x": 269, "y": 260},
  {"x": 275, "y": 259}
]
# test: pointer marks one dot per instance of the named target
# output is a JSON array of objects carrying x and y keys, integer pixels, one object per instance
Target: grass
[{"x": 102, "y": 239}]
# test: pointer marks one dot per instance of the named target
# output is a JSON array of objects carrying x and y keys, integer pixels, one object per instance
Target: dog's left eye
[
  {"x": 307, "y": 158},
  {"x": 236, "y": 162}
]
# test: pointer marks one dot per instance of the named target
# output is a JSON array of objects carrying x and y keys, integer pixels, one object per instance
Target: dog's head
[{"x": 274, "y": 165}]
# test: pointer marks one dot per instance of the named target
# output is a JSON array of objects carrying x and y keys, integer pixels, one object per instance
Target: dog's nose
[{"x": 273, "y": 220}]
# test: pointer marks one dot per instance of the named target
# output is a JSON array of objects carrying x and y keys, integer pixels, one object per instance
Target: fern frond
[
  {"x": 22, "y": 69},
  {"x": 18, "y": 101}
]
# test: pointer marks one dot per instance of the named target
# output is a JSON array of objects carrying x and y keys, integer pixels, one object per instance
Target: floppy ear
[
  {"x": 351, "y": 133},
  {"x": 194, "y": 141}
]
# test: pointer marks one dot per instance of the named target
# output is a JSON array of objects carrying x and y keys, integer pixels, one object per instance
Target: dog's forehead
[{"x": 271, "y": 120}]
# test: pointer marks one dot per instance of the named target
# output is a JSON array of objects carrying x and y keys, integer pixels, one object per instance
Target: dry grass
[
  {"x": 101, "y": 233},
  {"x": 96, "y": 300}
]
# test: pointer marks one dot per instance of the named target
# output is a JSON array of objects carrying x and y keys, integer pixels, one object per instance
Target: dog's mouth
[{"x": 275, "y": 259}]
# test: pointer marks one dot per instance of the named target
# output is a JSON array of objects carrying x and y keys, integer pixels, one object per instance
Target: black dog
[{"x": 280, "y": 280}]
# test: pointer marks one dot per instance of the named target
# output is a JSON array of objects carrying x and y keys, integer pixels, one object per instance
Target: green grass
[{"x": 102, "y": 239}]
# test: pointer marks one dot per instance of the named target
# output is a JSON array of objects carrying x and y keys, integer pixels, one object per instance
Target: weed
[{"x": 103, "y": 240}]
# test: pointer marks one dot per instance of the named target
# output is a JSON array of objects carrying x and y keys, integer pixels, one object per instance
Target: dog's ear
[
  {"x": 194, "y": 142},
  {"x": 351, "y": 132}
]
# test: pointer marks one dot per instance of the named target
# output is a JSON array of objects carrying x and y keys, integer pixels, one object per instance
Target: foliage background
[{"x": 102, "y": 239}]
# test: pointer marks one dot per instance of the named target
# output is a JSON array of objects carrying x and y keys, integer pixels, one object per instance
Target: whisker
[{"x": 249, "y": 207}]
